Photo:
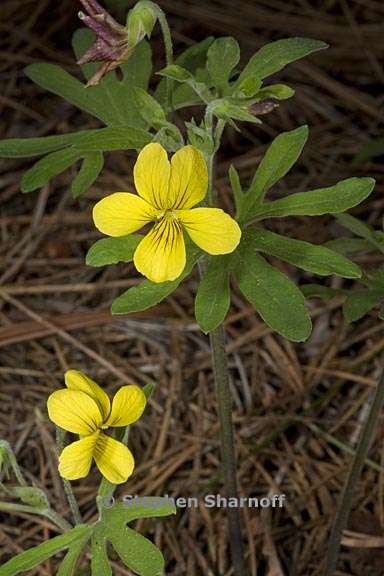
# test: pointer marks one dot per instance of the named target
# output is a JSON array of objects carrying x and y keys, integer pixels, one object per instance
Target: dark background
[{"x": 54, "y": 310}]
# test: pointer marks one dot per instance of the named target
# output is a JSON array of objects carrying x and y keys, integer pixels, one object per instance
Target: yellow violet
[
  {"x": 85, "y": 409},
  {"x": 167, "y": 193}
]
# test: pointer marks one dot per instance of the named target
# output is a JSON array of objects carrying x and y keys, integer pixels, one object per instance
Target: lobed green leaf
[
  {"x": 34, "y": 556},
  {"x": 274, "y": 296},
  {"x": 343, "y": 196},
  {"x": 47, "y": 167},
  {"x": 278, "y": 160},
  {"x": 310, "y": 257}
]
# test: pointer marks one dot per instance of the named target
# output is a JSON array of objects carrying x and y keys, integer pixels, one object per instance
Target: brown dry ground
[{"x": 298, "y": 409}]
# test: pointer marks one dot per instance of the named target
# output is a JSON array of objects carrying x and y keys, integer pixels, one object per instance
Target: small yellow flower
[
  {"x": 85, "y": 409},
  {"x": 167, "y": 192}
]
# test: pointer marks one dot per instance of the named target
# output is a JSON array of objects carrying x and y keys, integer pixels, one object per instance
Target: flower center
[{"x": 168, "y": 215}]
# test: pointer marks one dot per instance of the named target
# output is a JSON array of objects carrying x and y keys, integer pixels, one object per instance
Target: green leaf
[
  {"x": 68, "y": 565},
  {"x": 274, "y": 296},
  {"x": 343, "y": 196},
  {"x": 26, "y": 147},
  {"x": 192, "y": 59},
  {"x": 148, "y": 294},
  {"x": 346, "y": 245},
  {"x": 278, "y": 160},
  {"x": 92, "y": 166},
  {"x": 137, "y": 553},
  {"x": 149, "y": 108},
  {"x": 99, "y": 558},
  {"x": 247, "y": 88},
  {"x": 109, "y": 139},
  {"x": 180, "y": 74},
  {"x": 310, "y": 257},
  {"x": 277, "y": 91},
  {"x": 359, "y": 303},
  {"x": 32, "y": 496},
  {"x": 118, "y": 95},
  {"x": 236, "y": 187},
  {"x": 49, "y": 166},
  {"x": 274, "y": 56},
  {"x": 361, "y": 229},
  {"x": 369, "y": 150},
  {"x": 213, "y": 296},
  {"x": 34, "y": 556},
  {"x": 113, "y": 250},
  {"x": 223, "y": 55},
  {"x": 227, "y": 110},
  {"x": 54, "y": 79},
  {"x": 319, "y": 291}
]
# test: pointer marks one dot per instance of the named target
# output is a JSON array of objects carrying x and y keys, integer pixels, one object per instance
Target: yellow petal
[
  {"x": 114, "y": 459},
  {"x": 76, "y": 459},
  {"x": 76, "y": 380},
  {"x": 127, "y": 406},
  {"x": 160, "y": 256},
  {"x": 189, "y": 178},
  {"x": 75, "y": 411},
  {"x": 211, "y": 229},
  {"x": 122, "y": 213},
  {"x": 151, "y": 175}
]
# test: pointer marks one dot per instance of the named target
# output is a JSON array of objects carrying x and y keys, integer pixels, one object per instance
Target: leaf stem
[
  {"x": 60, "y": 442},
  {"x": 345, "y": 505},
  {"x": 50, "y": 514}
]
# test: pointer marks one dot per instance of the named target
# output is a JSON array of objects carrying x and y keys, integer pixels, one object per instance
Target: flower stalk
[
  {"x": 224, "y": 401},
  {"x": 344, "y": 508}
]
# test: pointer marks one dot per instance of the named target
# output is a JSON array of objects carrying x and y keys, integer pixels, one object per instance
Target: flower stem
[
  {"x": 223, "y": 394},
  {"x": 168, "y": 52},
  {"x": 60, "y": 441},
  {"x": 344, "y": 508}
]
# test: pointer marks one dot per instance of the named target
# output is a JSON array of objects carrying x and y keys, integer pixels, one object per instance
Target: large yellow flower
[
  {"x": 85, "y": 409},
  {"x": 167, "y": 193}
]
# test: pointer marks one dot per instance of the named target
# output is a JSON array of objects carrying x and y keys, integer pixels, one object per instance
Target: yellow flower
[
  {"x": 85, "y": 409},
  {"x": 167, "y": 192}
]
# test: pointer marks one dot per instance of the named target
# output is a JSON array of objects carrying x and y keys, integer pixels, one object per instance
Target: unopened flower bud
[
  {"x": 263, "y": 107},
  {"x": 111, "y": 45},
  {"x": 141, "y": 21}
]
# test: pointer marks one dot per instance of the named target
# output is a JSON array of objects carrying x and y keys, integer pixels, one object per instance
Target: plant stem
[
  {"x": 50, "y": 514},
  {"x": 168, "y": 52},
  {"x": 344, "y": 508},
  {"x": 223, "y": 394},
  {"x": 60, "y": 441}
]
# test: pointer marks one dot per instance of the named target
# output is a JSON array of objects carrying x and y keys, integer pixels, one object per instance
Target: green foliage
[
  {"x": 213, "y": 296},
  {"x": 316, "y": 259},
  {"x": 135, "y": 551},
  {"x": 276, "y": 298},
  {"x": 343, "y": 196},
  {"x": 90, "y": 169},
  {"x": 148, "y": 294},
  {"x": 274, "y": 56},
  {"x": 223, "y": 55},
  {"x": 34, "y": 556},
  {"x": 279, "y": 159},
  {"x": 113, "y": 250}
]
